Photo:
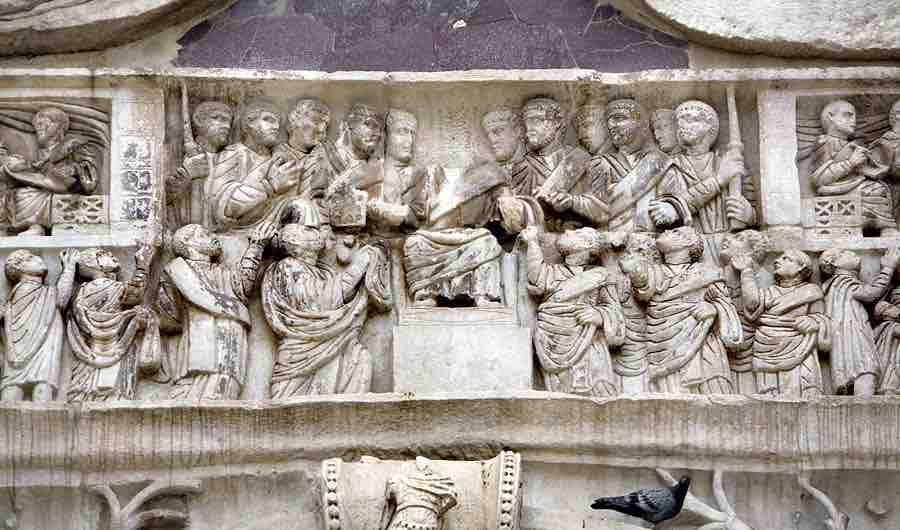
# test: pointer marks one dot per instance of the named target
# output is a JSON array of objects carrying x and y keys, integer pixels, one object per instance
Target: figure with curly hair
[{"x": 691, "y": 319}]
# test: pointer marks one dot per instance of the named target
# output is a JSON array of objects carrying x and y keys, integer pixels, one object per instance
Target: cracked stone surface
[{"x": 427, "y": 35}]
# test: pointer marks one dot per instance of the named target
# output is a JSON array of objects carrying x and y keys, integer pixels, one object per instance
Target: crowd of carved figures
[{"x": 638, "y": 246}]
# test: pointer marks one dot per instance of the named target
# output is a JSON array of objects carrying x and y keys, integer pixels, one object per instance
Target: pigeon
[{"x": 653, "y": 505}]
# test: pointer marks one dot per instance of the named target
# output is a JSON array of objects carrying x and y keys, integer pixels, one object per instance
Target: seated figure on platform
[
  {"x": 113, "y": 335},
  {"x": 317, "y": 312},
  {"x": 841, "y": 166},
  {"x": 885, "y": 150},
  {"x": 307, "y": 129},
  {"x": 579, "y": 318},
  {"x": 691, "y": 319},
  {"x": 695, "y": 188},
  {"x": 854, "y": 364},
  {"x": 185, "y": 189},
  {"x": 205, "y": 301},
  {"x": 791, "y": 325},
  {"x": 63, "y": 165},
  {"x": 33, "y": 326},
  {"x": 247, "y": 182},
  {"x": 418, "y": 498}
]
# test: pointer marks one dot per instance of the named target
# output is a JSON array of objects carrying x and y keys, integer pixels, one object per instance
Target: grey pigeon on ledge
[{"x": 653, "y": 505}]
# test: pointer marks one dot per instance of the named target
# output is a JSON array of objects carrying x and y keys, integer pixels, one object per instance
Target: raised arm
[
  {"x": 66, "y": 280},
  {"x": 250, "y": 261},
  {"x": 751, "y": 295},
  {"x": 881, "y": 282}
]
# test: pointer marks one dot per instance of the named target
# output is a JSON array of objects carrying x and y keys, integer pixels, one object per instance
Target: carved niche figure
[
  {"x": 206, "y": 301},
  {"x": 186, "y": 188},
  {"x": 113, "y": 335},
  {"x": 317, "y": 312},
  {"x": 696, "y": 184},
  {"x": 33, "y": 326},
  {"x": 627, "y": 177},
  {"x": 247, "y": 182},
  {"x": 665, "y": 132},
  {"x": 691, "y": 319},
  {"x": 841, "y": 166},
  {"x": 887, "y": 342},
  {"x": 791, "y": 325},
  {"x": 580, "y": 317},
  {"x": 307, "y": 129},
  {"x": 62, "y": 165},
  {"x": 562, "y": 170},
  {"x": 418, "y": 498},
  {"x": 854, "y": 365},
  {"x": 886, "y": 148}
]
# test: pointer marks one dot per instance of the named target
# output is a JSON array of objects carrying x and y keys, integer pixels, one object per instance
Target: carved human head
[
  {"x": 21, "y": 262},
  {"x": 835, "y": 258},
  {"x": 212, "y": 124},
  {"x": 665, "y": 132},
  {"x": 590, "y": 126},
  {"x": 307, "y": 124},
  {"x": 505, "y": 132},
  {"x": 839, "y": 118},
  {"x": 697, "y": 124},
  {"x": 362, "y": 129},
  {"x": 681, "y": 238},
  {"x": 793, "y": 264},
  {"x": 643, "y": 246},
  {"x": 301, "y": 241},
  {"x": 545, "y": 122},
  {"x": 50, "y": 125},
  {"x": 195, "y": 242},
  {"x": 401, "y": 135},
  {"x": 97, "y": 263},
  {"x": 577, "y": 247},
  {"x": 625, "y": 122},
  {"x": 261, "y": 122},
  {"x": 894, "y": 115},
  {"x": 746, "y": 242}
]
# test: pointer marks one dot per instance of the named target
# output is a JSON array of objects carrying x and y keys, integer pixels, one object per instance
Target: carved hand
[
  {"x": 858, "y": 157},
  {"x": 806, "y": 325},
  {"x": 68, "y": 258},
  {"x": 704, "y": 311},
  {"x": 282, "y": 175},
  {"x": 589, "y": 315},
  {"x": 891, "y": 259},
  {"x": 732, "y": 165},
  {"x": 739, "y": 209},
  {"x": 887, "y": 311},
  {"x": 741, "y": 261},
  {"x": 529, "y": 235},
  {"x": 144, "y": 256},
  {"x": 631, "y": 265},
  {"x": 662, "y": 213},
  {"x": 561, "y": 202}
]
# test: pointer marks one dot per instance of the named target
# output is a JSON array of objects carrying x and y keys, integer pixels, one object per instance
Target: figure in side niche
[
  {"x": 580, "y": 316},
  {"x": 64, "y": 164},
  {"x": 691, "y": 319},
  {"x": 791, "y": 326},
  {"x": 33, "y": 326},
  {"x": 418, "y": 498},
  {"x": 854, "y": 365},
  {"x": 205, "y": 300},
  {"x": 317, "y": 311},
  {"x": 113, "y": 335}
]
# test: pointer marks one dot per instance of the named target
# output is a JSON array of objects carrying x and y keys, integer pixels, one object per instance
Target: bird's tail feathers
[{"x": 610, "y": 503}]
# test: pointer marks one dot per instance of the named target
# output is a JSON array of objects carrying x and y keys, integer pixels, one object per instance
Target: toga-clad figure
[
  {"x": 317, "y": 312},
  {"x": 579, "y": 318},
  {"x": 33, "y": 326},
  {"x": 691, "y": 319},
  {"x": 418, "y": 498},
  {"x": 206, "y": 301},
  {"x": 112, "y": 334}
]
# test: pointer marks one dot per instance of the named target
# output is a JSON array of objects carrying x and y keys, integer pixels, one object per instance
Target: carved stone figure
[
  {"x": 631, "y": 361},
  {"x": 580, "y": 317},
  {"x": 247, "y": 182},
  {"x": 840, "y": 166},
  {"x": 186, "y": 188},
  {"x": 627, "y": 177},
  {"x": 113, "y": 335},
  {"x": 561, "y": 170},
  {"x": 206, "y": 301},
  {"x": 63, "y": 165},
  {"x": 404, "y": 181},
  {"x": 887, "y": 341},
  {"x": 691, "y": 319},
  {"x": 665, "y": 132},
  {"x": 307, "y": 128},
  {"x": 505, "y": 131},
  {"x": 854, "y": 365},
  {"x": 317, "y": 313},
  {"x": 791, "y": 325},
  {"x": 590, "y": 128},
  {"x": 418, "y": 498},
  {"x": 696, "y": 184},
  {"x": 33, "y": 326},
  {"x": 886, "y": 148}
]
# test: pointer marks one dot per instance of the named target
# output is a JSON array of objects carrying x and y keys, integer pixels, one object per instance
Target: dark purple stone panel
[{"x": 427, "y": 35}]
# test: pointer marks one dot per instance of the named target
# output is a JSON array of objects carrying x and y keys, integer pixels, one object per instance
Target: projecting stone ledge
[{"x": 649, "y": 431}]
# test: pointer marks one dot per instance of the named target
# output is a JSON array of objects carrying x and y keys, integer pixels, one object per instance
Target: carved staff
[
  {"x": 735, "y": 187},
  {"x": 190, "y": 146}
]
